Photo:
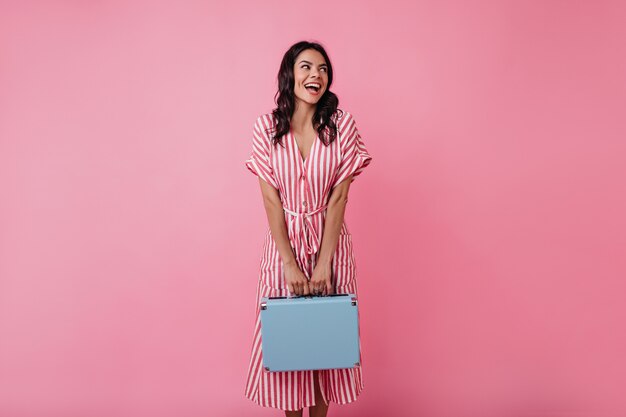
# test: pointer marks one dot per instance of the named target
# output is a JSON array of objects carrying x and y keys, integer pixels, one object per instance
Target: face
[{"x": 310, "y": 69}]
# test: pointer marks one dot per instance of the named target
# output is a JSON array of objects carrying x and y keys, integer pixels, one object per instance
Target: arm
[
  {"x": 337, "y": 202},
  {"x": 296, "y": 281}
]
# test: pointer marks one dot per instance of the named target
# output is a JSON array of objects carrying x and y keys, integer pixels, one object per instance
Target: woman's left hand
[{"x": 321, "y": 281}]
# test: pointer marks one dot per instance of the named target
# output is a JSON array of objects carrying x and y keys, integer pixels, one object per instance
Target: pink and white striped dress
[{"x": 304, "y": 187}]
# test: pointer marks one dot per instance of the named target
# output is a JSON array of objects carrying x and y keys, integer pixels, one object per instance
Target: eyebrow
[{"x": 321, "y": 65}]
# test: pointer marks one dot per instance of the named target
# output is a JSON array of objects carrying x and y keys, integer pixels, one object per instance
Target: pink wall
[{"x": 489, "y": 230}]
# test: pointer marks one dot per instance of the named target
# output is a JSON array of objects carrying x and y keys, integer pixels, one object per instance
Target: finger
[
  {"x": 290, "y": 288},
  {"x": 306, "y": 288},
  {"x": 329, "y": 287}
]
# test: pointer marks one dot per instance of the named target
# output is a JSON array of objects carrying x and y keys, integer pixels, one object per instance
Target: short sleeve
[
  {"x": 354, "y": 155},
  {"x": 259, "y": 161}
]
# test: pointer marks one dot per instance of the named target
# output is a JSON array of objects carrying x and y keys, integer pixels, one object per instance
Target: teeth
[{"x": 312, "y": 85}]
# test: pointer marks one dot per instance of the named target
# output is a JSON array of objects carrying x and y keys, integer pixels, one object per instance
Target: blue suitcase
[{"x": 310, "y": 332}]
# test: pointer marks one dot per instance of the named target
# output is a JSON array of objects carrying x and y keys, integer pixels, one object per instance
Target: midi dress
[{"x": 304, "y": 186}]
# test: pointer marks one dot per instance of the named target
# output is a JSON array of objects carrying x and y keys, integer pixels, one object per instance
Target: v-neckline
[{"x": 302, "y": 158}]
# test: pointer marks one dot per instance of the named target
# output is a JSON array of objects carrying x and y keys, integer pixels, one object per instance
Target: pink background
[{"x": 489, "y": 230}]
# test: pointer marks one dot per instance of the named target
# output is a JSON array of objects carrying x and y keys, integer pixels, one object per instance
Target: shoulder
[
  {"x": 344, "y": 121},
  {"x": 341, "y": 115},
  {"x": 265, "y": 127},
  {"x": 265, "y": 121},
  {"x": 343, "y": 118}
]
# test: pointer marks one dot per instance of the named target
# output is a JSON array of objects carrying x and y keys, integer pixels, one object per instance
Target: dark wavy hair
[{"x": 285, "y": 97}]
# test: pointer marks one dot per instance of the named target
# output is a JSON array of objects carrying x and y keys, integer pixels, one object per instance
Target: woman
[{"x": 305, "y": 170}]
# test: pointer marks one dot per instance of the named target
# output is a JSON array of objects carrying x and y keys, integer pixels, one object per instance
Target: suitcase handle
[
  {"x": 308, "y": 296},
  {"x": 264, "y": 303}
]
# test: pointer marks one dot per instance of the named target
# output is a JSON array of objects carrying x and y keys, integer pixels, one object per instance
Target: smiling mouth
[{"x": 313, "y": 88}]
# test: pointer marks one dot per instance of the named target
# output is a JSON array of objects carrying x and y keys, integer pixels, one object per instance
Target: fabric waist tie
[{"x": 305, "y": 237}]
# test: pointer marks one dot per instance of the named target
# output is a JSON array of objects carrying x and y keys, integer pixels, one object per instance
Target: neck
[{"x": 302, "y": 117}]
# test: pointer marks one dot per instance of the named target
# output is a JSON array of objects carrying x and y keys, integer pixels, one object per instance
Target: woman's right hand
[{"x": 296, "y": 281}]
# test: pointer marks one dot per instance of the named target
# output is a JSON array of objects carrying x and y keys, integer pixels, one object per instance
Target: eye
[
  {"x": 305, "y": 65},
  {"x": 324, "y": 69}
]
